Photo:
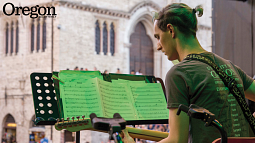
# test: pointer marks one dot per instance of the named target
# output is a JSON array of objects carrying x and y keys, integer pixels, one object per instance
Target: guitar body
[{"x": 85, "y": 124}]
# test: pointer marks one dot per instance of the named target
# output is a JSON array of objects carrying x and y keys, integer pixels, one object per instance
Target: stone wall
[{"x": 74, "y": 45}]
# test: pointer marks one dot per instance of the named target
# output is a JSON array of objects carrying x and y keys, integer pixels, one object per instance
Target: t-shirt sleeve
[
  {"x": 247, "y": 80},
  {"x": 177, "y": 87}
]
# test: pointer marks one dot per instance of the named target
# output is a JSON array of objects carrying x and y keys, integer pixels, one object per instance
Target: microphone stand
[{"x": 197, "y": 112}]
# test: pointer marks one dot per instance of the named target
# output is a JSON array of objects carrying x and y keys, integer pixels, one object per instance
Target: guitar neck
[
  {"x": 85, "y": 124},
  {"x": 146, "y": 134}
]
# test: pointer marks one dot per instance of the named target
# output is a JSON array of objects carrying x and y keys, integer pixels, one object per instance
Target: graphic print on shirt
[{"x": 227, "y": 100}]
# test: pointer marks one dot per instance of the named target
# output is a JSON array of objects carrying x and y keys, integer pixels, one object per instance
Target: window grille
[
  {"x": 44, "y": 35},
  {"x": 97, "y": 37},
  {"x": 105, "y": 39},
  {"x": 112, "y": 40},
  {"x": 32, "y": 35},
  {"x": 17, "y": 37},
  {"x": 6, "y": 38}
]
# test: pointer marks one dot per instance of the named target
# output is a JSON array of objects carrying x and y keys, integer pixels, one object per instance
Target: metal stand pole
[{"x": 78, "y": 137}]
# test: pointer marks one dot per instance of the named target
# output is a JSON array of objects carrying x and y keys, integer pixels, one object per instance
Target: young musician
[{"x": 195, "y": 82}]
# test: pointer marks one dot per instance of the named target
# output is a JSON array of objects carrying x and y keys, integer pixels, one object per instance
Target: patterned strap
[{"x": 231, "y": 84}]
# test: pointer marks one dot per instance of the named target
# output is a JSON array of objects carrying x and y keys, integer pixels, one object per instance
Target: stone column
[
  {"x": 126, "y": 58},
  {"x": 157, "y": 64},
  {"x": 85, "y": 136}
]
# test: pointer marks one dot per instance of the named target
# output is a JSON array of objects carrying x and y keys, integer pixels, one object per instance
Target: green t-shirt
[{"x": 194, "y": 82}]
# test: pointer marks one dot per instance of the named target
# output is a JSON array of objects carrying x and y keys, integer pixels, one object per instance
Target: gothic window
[
  {"x": 6, "y": 38},
  {"x": 105, "y": 39},
  {"x": 112, "y": 39},
  {"x": 9, "y": 125},
  {"x": 141, "y": 51},
  {"x": 97, "y": 37},
  {"x": 38, "y": 35},
  {"x": 12, "y": 25},
  {"x": 17, "y": 37},
  {"x": 44, "y": 35},
  {"x": 32, "y": 36}
]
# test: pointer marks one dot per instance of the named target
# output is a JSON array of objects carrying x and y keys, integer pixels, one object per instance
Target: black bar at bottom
[{"x": 78, "y": 137}]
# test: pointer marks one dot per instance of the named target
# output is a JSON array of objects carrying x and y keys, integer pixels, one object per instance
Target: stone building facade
[{"x": 68, "y": 40}]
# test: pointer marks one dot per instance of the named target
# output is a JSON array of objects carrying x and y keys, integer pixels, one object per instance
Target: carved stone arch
[
  {"x": 141, "y": 51},
  {"x": 107, "y": 23},
  {"x": 31, "y": 123},
  {"x": 113, "y": 23},
  {"x": 143, "y": 15},
  {"x": 6, "y": 117},
  {"x": 36, "y": 129},
  {"x": 148, "y": 27},
  {"x": 144, "y": 4},
  {"x": 96, "y": 20}
]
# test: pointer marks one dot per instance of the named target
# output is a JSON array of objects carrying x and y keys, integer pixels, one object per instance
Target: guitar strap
[{"x": 231, "y": 84}]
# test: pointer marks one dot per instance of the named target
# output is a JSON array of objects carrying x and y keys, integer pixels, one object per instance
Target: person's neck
[{"x": 189, "y": 46}]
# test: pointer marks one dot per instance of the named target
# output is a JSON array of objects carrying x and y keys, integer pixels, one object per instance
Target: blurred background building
[{"x": 101, "y": 34}]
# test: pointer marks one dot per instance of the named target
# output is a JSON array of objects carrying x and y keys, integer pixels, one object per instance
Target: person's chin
[{"x": 171, "y": 58}]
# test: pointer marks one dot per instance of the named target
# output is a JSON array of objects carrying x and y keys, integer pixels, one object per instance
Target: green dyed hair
[{"x": 179, "y": 15}]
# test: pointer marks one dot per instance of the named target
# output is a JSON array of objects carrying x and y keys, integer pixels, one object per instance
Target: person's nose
[{"x": 159, "y": 47}]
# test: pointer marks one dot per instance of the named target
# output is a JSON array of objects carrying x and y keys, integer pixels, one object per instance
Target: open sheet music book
[{"x": 83, "y": 94}]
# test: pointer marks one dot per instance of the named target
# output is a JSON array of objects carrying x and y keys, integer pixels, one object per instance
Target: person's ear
[{"x": 170, "y": 27}]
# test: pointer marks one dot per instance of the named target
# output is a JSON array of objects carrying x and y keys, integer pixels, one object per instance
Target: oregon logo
[{"x": 33, "y": 11}]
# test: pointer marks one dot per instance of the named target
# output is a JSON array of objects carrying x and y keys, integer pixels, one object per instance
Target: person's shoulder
[
  {"x": 177, "y": 69},
  {"x": 181, "y": 66},
  {"x": 214, "y": 57}
]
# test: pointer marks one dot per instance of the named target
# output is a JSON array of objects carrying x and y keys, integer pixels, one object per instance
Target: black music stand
[{"x": 46, "y": 105}]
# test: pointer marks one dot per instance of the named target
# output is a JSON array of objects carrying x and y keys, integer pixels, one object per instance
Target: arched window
[
  {"x": 32, "y": 35},
  {"x": 97, "y": 37},
  {"x": 6, "y": 38},
  {"x": 105, "y": 38},
  {"x": 112, "y": 39},
  {"x": 36, "y": 129},
  {"x": 12, "y": 26},
  {"x": 9, "y": 126},
  {"x": 38, "y": 35},
  {"x": 17, "y": 37},
  {"x": 44, "y": 35}
]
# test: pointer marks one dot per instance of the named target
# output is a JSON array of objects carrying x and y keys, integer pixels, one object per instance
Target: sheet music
[
  {"x": 135, "y": 100},
  {"x": 69, "y": 75},
  {"x": 115, "y": 99},
  {"x": 79, "y": 96},
  {"x": 149, "y": 101},
  {"x": 125, "y": 81}
]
